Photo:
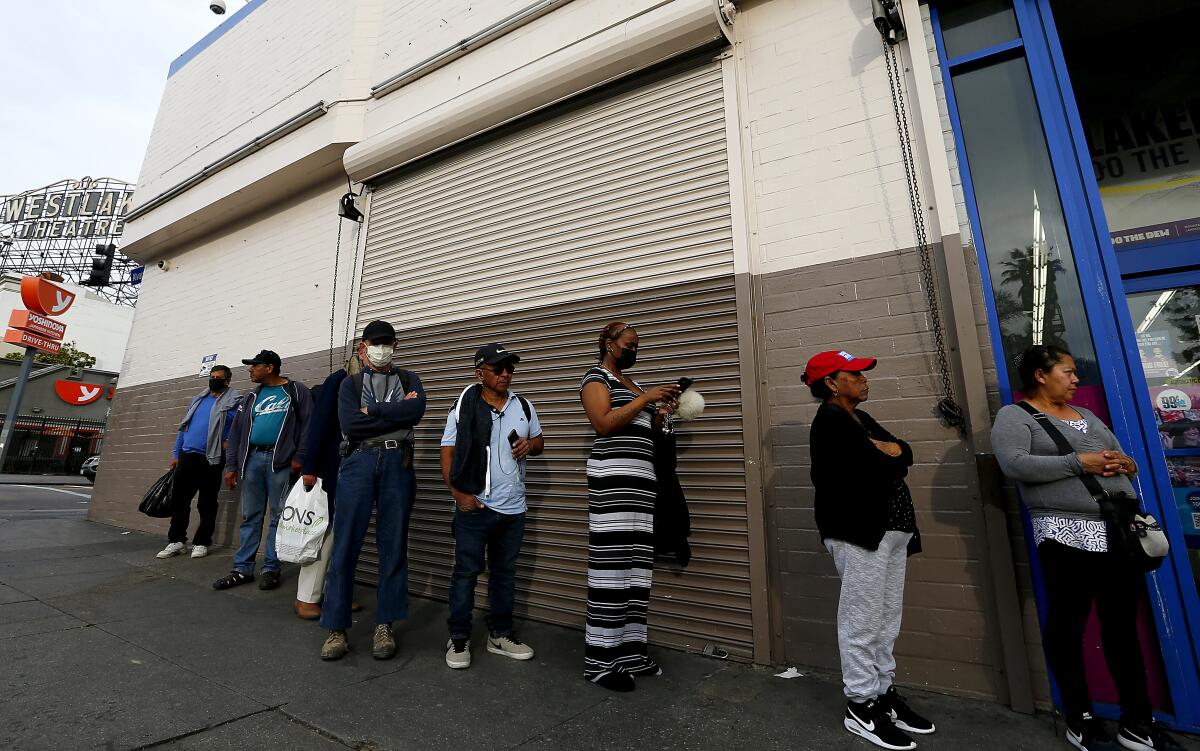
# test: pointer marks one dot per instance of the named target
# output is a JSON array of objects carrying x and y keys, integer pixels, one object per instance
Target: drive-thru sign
[{"x": 34, "y": 330}]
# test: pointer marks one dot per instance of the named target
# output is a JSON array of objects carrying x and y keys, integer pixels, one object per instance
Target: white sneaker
[
  {"x": 171, "y": 550},
  {"x": 510, "y": 646},
  {"x": 458, "y": 654},
  {"x": 199, "y": 551}
]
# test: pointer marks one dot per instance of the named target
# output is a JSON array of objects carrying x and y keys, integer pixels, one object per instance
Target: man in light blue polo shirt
[{"x": 489, "y": 433}]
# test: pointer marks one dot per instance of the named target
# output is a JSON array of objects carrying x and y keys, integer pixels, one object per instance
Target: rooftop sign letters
[{"x": 79, "y": 209}]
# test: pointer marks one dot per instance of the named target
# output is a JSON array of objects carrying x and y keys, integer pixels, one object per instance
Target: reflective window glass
[
  {"x": 1030, "y": 261},
  {"x": 1135, "y": 72},
  {"x": 972, "y": 26}
]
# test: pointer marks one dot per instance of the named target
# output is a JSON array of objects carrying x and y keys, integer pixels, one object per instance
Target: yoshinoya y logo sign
[
  {"x": 44, "y": 297},
  {"x": 84, "y": 208},
  {"x": 78, "y": 394}
]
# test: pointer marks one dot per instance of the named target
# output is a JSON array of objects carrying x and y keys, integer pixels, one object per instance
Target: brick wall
[
  {"x": 875, "y": 307},
  {"x": 826, "y": 168}
]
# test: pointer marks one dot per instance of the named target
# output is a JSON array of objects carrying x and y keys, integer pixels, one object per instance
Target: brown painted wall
[{"x": 875, "y": 307}]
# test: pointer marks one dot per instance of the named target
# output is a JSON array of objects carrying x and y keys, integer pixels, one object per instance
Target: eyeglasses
[{"x": 504, "y": 367}]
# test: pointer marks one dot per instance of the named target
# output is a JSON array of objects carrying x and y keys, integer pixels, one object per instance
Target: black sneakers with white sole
[
  {"x": 871, "y": 721},
  {"x": 1087, "y": 733},
  {"x": 1145, "y": 737},
  {"x": 903, "y": 715}
]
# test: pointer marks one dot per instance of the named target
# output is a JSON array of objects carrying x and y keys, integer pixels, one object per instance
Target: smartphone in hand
[
  {"x": 684, "y": 384},
  {"x": 513, "y": 437}
]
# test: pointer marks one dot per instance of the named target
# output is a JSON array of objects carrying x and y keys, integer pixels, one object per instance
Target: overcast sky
[{"x": 82, "y": 81}]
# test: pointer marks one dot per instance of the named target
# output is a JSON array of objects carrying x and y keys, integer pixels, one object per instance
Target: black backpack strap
[
  {"x": 525, "y": 408},
  {"x": 1064, "y": 447}
]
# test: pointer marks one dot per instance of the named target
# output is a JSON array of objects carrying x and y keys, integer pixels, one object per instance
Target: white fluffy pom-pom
[{"x": 691, "y": 405}]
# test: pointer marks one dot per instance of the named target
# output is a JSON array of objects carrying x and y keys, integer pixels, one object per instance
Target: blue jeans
[
  {"x": 500, "y": 534},
  {"x": 262, "y": 487},
  {"x": 369, "y": 478}
]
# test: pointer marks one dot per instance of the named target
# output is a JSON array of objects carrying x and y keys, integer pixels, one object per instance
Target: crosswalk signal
[{"x": 101, "y": 266}]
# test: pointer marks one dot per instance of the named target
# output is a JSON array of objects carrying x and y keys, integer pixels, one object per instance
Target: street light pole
[{"x": 14, "y": 404}]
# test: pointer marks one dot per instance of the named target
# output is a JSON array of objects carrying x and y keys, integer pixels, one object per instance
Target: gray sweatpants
[{"x": 869, "y": 609}]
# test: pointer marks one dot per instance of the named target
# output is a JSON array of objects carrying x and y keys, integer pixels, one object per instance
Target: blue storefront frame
[{"x": 1175, "y": 604}]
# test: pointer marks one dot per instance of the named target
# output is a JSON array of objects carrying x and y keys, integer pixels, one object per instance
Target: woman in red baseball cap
[{"x": 865, "y": 515}]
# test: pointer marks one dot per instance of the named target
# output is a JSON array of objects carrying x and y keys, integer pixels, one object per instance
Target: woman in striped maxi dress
[{"x": 621, "y": 490}]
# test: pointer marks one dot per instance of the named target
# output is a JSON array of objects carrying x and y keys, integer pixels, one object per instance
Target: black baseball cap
[
  {"x": 266, "y": 357},
  {"x": 378, "y": 330},
  {"x": 493, "y": 354}
]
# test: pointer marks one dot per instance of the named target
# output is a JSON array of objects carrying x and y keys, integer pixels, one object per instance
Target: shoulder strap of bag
[
  {"x": 1064, "y": 447},
  {"x": 525, "y": 407}
]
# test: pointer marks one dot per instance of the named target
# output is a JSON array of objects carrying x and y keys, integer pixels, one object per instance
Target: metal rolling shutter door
[{"x": 511, "y": 240}]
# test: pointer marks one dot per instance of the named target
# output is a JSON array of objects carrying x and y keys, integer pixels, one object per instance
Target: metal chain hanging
[
  {"x": 337, "y": 270},
  {"x": 337, "y": 254},
  {"x": 947, "y": 406}
]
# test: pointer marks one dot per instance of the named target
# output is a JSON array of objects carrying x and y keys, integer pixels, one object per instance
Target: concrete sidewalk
[{"x": 105, "y": 647}]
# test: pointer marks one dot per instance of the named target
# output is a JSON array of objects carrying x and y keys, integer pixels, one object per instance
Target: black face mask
[
  {"x": 217, "y": 385},
  {"x": 626, "y": 359}
]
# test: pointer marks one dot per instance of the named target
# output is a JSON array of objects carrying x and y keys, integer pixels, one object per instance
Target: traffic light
[{"x": 101, "y": 266}]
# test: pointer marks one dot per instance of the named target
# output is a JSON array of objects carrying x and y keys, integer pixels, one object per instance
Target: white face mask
[{"x": 380, "y": 354}]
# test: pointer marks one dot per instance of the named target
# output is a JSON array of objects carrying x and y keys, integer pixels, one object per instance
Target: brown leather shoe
[{"x": 309, "y": 611}]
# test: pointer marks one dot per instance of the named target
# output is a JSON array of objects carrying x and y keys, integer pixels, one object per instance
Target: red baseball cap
[{"x": 825, "y": 363}]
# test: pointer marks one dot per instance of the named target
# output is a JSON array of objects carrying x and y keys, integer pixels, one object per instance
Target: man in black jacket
[
  {"x": 265, "y": 448},
  {"x": 321, "y": 462},
  {"x": 377, "y": 410}
]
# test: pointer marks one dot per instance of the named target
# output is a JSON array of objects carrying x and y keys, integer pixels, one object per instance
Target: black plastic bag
[{"x": 157, "y": 501}]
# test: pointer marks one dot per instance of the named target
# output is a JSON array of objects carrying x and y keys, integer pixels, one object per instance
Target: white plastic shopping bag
[{"x": 302, "y": 525}]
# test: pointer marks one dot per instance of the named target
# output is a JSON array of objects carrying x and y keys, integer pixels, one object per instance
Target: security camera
[
  {"x": 217, "y": 6},
  {"x": 165, "y": 265}
]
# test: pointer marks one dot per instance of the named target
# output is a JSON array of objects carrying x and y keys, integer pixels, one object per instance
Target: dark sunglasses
[{"x": 504, "y": 367}]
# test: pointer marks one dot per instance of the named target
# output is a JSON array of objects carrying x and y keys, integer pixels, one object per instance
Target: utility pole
[
  {"x": 35, "y": 329},
  {"x": 14, "y": 404}
]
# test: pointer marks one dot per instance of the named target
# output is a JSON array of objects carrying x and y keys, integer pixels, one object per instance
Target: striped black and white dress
[{"x": 621, "y": 491}]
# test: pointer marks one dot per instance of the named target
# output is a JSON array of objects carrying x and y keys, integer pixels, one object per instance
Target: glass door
[{"x": 1167, "y": 326}]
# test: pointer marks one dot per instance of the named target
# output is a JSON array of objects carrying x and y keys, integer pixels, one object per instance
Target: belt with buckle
[
  {"x": 387, "y": 443},
  {"x": 257, "y": 447}
]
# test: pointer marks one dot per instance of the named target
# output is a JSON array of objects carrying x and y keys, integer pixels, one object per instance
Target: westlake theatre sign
[{"x": 68, "y": 210}]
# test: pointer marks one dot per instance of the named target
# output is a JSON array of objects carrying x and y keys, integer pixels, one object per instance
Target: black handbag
[
  {"x": 158, "y": 499},
  {"x": 1132, "y": 534}
]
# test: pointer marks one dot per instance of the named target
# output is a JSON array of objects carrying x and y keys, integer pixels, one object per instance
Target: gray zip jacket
[
  {"x": 1049, "y": 482},
  {"x": 289, "y": 445},
  {"x": 216, "y": 421}
]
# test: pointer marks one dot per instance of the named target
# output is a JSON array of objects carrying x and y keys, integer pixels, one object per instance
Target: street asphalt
[{"x": 102, "y": 646}]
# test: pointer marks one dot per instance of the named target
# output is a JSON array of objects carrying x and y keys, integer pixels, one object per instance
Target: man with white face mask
[{"x": 377, "y": 410}]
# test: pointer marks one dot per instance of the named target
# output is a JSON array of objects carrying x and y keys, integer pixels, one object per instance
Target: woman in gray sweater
[{"x": 1073, "y": 547}]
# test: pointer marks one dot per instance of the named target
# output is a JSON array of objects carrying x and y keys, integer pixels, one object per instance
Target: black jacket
[
  {"x": 468, "y": 470},
  {"x": 854, "y": 480},
  {"x": 321, "y": 457},
  {"x": 381, "y": 417}
]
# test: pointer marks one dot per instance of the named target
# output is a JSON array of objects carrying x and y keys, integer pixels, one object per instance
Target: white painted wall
[
  {"x": 264, "y": 283},
  {"x": 276, "y": 62},
  {"x": 828, "y": 181},
  {"x": 96, "y": 325},
  {"x": 413, "y": 31}
]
